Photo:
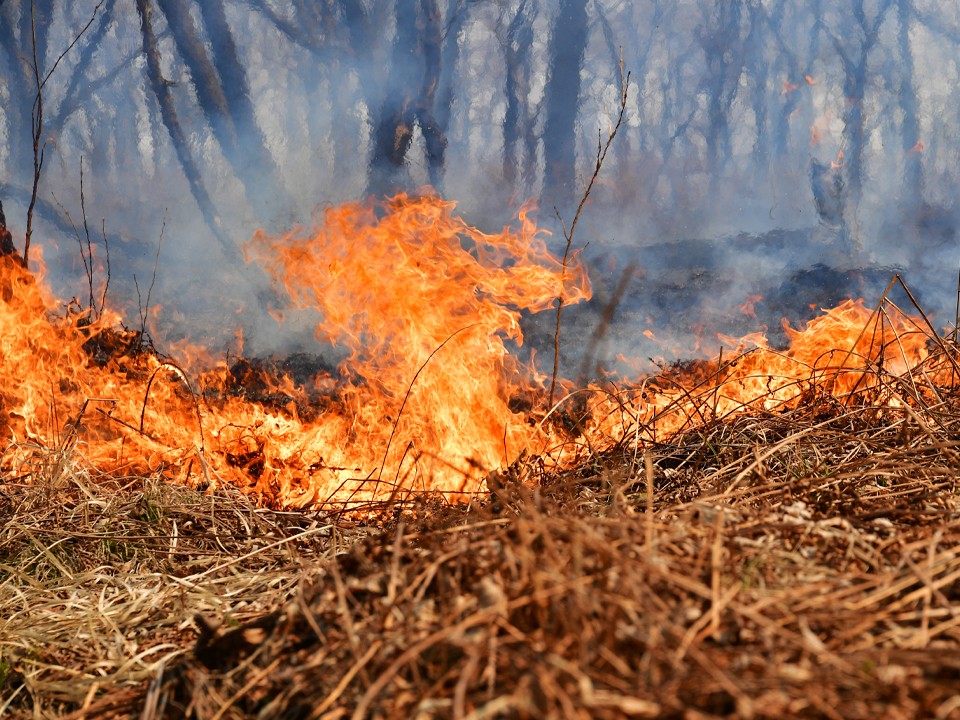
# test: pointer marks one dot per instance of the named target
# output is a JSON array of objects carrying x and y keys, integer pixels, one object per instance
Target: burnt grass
[{"x": 803, "y": 562}]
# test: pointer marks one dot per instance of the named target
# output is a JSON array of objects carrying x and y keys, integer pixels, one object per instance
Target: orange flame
[
  {"x": 837, "y": 354},
  {"x": 428, "y": 397},
  {"x": 423, "y": 303}
]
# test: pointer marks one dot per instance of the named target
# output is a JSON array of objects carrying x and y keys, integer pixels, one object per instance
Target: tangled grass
[
  {"x": 784, "y": 565},
  {"x": 802, "y": 561}
]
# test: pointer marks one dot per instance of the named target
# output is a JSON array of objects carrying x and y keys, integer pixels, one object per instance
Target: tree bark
[
  {"x": 568, "y": 45},
  {"x": 409, "y": 98},
  {"x": 517, "y": 46},
  {"x": 161, "y": 88},
  {"x": 224, "y": 98}
]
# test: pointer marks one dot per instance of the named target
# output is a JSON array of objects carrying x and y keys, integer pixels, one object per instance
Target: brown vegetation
[{"x": 804, "y": 563}]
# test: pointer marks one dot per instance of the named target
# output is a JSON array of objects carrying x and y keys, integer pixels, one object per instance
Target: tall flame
[
  {"x": 422, "y": 302},
  {"x": 423, "y": 305}
]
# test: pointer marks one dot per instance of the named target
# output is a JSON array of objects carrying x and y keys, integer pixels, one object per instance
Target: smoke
[{"x": 776, "y": 156}]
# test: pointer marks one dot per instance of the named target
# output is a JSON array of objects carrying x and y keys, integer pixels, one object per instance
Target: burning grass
[
  {"x": 770, "y": 534},
  {"x": 789, "y": 563}
]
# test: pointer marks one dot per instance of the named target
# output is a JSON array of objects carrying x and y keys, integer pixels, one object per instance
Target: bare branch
[
  {"x": 36, "y": 114},
  {"x": 602, "y": 149}
]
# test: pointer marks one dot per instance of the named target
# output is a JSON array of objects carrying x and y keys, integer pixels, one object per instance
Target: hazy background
[{"x": 775, "y": 156}]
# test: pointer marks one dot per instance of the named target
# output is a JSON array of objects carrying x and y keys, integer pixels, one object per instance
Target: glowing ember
[{"x": 427, "y": 398}]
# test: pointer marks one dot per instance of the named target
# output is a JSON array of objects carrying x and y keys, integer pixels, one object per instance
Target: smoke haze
[{"x": 775, "y": 155}]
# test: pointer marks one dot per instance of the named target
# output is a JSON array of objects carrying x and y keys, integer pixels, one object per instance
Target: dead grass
[
  {"x": 105, "y": 581},
  {"x": 797, "y": 563}
]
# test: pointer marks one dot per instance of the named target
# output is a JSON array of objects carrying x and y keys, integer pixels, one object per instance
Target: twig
[
  {"x": 36, "y": 115},
  {"x": 106, "y": 252},
  {"x": 168, "y": 365},
  {"x": 602, "y": 149},
  {"x": 88, "y": 261},
  {"x": 396, "y": 422},
  {"x": 36, "y": 122},
  {"x": 86, "y": 253},
  {"x": 145, "y": 308}
]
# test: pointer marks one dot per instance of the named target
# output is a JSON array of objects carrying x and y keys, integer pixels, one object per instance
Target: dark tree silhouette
[
  {"x": 912, "y": 185},
  {"x": 257, "y": 168},
  {"x": 519, "y": 142},
  {"x": 80, "y": 86},
  {"x": 168, "y": 113},
  {"x": 727, "y": 92},
  {"x": 409, "y": 98},
  {"x": 567, "y": 48},
  {"x": 16, "y": 49},
  {"x": 723, "y": 50},
  {"x": 224, "y": 96}
]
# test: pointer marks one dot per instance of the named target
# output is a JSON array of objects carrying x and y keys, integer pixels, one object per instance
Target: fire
[
  {"x": 748, "y": 307},
  {"x": 428, "y": 396},
  {"x": 849, "y": 349},
  {"x": 422, "y": 302}
]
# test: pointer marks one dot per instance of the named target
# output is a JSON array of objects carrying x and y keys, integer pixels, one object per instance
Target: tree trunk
[
  {"x": 224, "y": 97},
  {"x": 161, "y": 88},
  {"x": 568, "y": 45},
  {"x": 409, "y": 99}
]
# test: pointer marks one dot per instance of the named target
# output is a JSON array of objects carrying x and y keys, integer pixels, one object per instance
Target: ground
[{"x": 798, "y": 563}]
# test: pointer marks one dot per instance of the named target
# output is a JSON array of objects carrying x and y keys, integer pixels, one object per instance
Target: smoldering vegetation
[
  {"x": 801, "y": 562},
  {"x": 794, "y": 560}
]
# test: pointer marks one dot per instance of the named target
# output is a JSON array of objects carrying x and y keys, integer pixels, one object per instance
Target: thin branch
[
  {"x": 36, "y": 114},
  {"x": 106, "y": 252},
  {"x": 36, "y": 123},
  {"x": 145, "y": 307},
  {"x": 602, "y": 149}
]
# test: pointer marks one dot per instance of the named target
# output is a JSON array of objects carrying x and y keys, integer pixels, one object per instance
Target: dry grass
[
  {"x": 104, "y": 581},
  {"x": 798, "y": 563}
]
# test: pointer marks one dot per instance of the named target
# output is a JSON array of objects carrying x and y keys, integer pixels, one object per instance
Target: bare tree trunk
[
  {"x": 723, "y": 48},
  {"x": 393, "y": 129},
  {"x": 20, "y": 87},
  {"x": 254, "y": 163},
  {"x": 74, "y": 87},
  {"x": 854, "y": 52},
  {"x": 224, "y": 97},
  {"x": 912, "y": 185},
  {"x": 517, "y": 46},
  {"x": 161, "y": 88},
  {"x": 7, "y": 247},
  {"x": 567, "y": 48},
  {"x": 431, "y": 48},
  {"x": 361, "y": 57},
  {"x": 410, "y": 95}
]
